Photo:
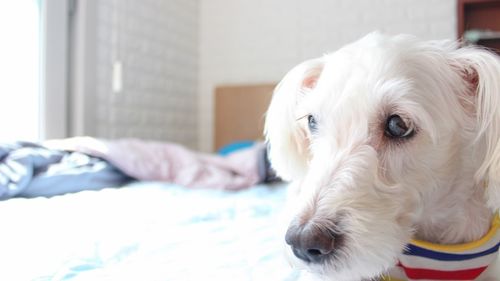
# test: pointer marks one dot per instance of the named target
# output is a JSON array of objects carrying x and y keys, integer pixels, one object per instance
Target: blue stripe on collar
[{"x": 422, "y": 252}]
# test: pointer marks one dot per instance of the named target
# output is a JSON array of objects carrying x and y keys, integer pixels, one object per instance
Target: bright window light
[{"x": 20, "y": 70}]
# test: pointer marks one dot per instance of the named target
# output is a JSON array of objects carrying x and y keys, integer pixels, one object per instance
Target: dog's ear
[
  {"x": 287, "y": 141},
  {"x": 481, "y": 70}
]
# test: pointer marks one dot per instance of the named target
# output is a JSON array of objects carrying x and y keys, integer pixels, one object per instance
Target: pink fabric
[{"x": 169, "y": 162}]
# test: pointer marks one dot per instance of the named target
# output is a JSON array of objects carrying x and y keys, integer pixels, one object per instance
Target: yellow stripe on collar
[
  {"x": 461, "y": 247},
  {"x": 389, "y": 278}
]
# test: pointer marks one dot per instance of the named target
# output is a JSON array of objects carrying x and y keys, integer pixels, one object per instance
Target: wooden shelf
[{"x": 481, "y": 17}]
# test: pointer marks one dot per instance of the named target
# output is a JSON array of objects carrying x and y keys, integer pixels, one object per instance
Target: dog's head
[{"x": 368, "y": 134}]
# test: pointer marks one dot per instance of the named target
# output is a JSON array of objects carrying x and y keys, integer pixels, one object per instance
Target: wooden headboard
[{"x": 239, "y": 112}]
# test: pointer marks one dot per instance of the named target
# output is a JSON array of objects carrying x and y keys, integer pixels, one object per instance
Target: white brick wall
[
  {"x": 256, "y": 41},
  {"x": 157, "y": 44}
]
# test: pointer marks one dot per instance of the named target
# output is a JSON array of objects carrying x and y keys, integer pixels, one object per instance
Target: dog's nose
[{"x": 310, "y": 243}]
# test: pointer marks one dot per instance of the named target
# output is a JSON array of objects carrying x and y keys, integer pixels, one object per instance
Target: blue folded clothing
[{"x": 29, "y": 170}]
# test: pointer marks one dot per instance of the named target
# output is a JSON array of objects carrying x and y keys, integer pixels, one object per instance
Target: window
[{"x": 20, "y": 51}]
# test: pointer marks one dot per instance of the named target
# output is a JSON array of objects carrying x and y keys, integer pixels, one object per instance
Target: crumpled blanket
[
  {"x": 170, "y": 162},
  {"x": 82, "y": 163},
  {"x": 29, "y": 170}
]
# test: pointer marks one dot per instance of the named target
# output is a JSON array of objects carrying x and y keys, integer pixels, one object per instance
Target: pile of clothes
[{"x": 84, "y": 163}]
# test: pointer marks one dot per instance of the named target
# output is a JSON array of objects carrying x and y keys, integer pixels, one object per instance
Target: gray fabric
[{"x": 30, "y": 170}]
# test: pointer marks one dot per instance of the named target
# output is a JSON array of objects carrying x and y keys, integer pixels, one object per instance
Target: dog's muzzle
[{"x": 310, "y": 243}]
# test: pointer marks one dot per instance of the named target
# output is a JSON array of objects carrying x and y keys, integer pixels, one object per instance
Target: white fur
[{"x": 381, "y": 193}]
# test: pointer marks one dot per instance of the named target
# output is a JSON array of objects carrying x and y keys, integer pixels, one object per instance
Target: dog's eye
[
  {"x": 311, "y": 122},
  {"x": 396, "y": 127}
]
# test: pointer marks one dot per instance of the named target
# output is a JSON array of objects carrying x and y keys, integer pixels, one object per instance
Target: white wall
[
  {"x": 156, "y": 42},
  {"x": 257, "y": 41}
]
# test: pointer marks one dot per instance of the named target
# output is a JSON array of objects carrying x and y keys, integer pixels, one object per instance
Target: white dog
[{"x": 386, "y": 141}]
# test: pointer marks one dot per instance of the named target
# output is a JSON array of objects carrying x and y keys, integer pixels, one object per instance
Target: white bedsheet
[{"x": 147, "y": 231}]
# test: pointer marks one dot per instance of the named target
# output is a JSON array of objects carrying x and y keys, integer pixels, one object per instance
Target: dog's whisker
[{"x": 300, "y": 118}]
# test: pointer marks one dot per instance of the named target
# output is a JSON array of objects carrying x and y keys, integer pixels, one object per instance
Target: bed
[{"x": 147, "y": 231}]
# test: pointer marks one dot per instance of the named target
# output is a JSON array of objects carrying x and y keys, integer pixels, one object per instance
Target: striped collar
[{"x": 427, "y": 261}]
